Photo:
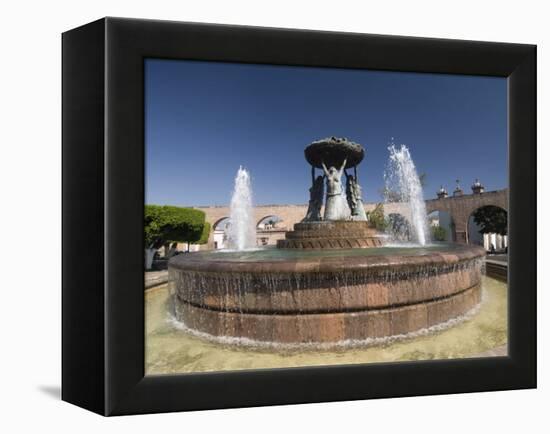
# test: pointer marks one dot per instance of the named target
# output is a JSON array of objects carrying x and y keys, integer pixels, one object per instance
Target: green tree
[
  {"x": 166, "y": 224},
  {"x": 491, "y": 220},
  {"x": 153, "y": 227},
  {"x": 377, "y": 219},
  {"x": 205, "y": 234},
  {"x": 439, "y": 233}
]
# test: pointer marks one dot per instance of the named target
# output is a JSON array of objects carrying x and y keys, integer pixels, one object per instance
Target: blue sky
[{"x": 204, "y": 119}]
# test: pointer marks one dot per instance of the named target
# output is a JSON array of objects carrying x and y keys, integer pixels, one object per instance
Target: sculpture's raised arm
[
  {"x": 325, "y": 168},
  {"x": 343, "y": 165}
]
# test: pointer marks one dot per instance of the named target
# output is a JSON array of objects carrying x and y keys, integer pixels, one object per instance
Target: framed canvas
[{"x": 243, "y": 227}]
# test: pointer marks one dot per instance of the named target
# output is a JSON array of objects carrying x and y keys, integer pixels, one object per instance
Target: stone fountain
[{"x": 331, "y": 281}]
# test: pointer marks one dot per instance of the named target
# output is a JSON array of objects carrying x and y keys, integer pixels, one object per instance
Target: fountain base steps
[
  {"x": 332, "y": 235},
  {"x": 323, "y": 328}
]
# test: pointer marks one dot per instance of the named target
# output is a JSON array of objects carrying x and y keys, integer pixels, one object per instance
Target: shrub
[
  {"x": 377, "y": 219},
  {"x": 439, "y": 233}
]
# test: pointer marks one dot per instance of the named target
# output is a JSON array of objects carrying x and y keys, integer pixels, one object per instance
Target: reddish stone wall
[
  {"x": 330, "y": 327},
  {"x": 324, "y": 299},
  {"x": 460, "y": 208}
]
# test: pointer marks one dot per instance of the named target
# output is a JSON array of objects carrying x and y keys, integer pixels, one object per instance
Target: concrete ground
[
  {"x": 155, "y": 278},
  {"x": 494, "y": 352},
  {"x": 499, "y": 257}
]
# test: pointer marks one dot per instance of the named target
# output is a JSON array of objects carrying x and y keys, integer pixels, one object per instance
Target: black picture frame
[{"x": 103, "y": 198}]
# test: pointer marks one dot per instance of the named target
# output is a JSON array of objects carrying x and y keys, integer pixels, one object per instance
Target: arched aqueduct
[{"x": 460, "y": 208}]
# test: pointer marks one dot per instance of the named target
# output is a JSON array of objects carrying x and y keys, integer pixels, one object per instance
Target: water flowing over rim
[
  {"x": 323, "y": 346},
  {"x": 204, "y": 262}
]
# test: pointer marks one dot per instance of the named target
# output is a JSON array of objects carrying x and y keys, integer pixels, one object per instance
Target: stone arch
[
  {"x": 218, "y": 237},
  {"x": 479, "y": 201},
  {"x": 474, "y": 237},
  {"x": 444, "y": 220},
  {"x": 216, "y": 224},
  {"x": 461, "y": 207},
  {"x": 266, "y": 219},
  {"x": 432, "y": 206},
  {"x": 290, "y": 214}
]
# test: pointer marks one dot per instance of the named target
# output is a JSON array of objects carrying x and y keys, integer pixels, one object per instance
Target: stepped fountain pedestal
[
  {"x": 331, "y": 281},
  {"x": 332, "y": 235}
]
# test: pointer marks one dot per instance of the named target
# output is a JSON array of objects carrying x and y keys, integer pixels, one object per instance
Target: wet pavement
[{"x": 169, "y": 349}]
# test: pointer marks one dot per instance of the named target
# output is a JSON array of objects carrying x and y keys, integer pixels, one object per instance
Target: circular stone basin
[
  {"x": 333, "y": 151},
  {"x": 324, "y": 296}
]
